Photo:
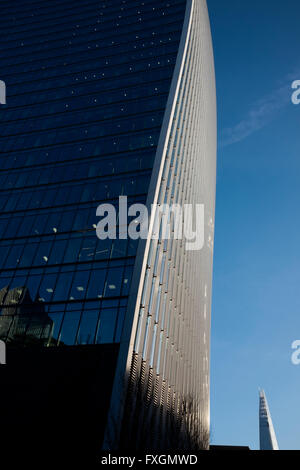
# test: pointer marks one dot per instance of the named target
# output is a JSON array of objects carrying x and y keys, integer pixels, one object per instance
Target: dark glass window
[
  {"x": 88, "y": 327},
  {"x": 87, "y": 88},
  {"x": 63, "y": 285},
  {"x": 107, "y": 325},
  {"x": 47, "y": 287},
  {"x": 68, "y": 334},
  {"x": 96, "y": 284}
]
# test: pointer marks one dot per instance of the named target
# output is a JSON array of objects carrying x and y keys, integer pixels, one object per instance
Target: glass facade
[{"x": 87, "y": 86}]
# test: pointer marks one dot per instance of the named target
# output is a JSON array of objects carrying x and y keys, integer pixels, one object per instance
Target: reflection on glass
[
  {"x": 69, "y": 329},
  {"x": 88, "y": 326},
  {"x": 22, "y": 319},
  {"x": 107, "y": 326}
]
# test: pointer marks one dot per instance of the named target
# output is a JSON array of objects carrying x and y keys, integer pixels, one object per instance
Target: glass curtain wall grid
[{"x": 87, "y": 86}]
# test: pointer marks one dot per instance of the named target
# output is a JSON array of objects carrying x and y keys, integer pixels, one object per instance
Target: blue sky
[{"x": 256, "y": 289}]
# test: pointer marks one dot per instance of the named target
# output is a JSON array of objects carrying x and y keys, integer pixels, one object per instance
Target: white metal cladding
[{"x": 167, "y": 329}]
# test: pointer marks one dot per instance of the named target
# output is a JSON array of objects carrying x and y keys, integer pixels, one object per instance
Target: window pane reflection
[
  {"x": 113, "y": 282},
  {"x": 107, "y": 326},
  {"x": 96, "y": 284},
  {"x": 88, "y": 326},
  {"x": 69, "y": 328}
]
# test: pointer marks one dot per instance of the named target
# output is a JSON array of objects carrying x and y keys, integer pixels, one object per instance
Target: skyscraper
[
  {"x": 267, "y": 435},
  {"x": 106, "y": 99}
]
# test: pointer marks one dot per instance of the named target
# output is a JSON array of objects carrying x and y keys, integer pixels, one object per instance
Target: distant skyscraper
[
  {"x": 106, "y": 98},
  {"x": 267, "y": 435}
]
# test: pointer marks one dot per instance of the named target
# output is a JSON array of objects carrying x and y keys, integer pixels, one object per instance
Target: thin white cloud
[{"x": 260, "y": 114}]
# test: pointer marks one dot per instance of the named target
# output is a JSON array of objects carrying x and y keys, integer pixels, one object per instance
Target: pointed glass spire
[{"x": 267, "y": 435}]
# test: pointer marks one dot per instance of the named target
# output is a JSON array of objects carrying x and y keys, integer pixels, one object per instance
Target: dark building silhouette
[{"x": 105, "y": 98}]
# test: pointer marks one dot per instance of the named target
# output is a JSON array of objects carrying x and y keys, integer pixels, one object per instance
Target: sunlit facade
[
  {"x": 108, "y": 98},
  {"x": 164, "y": 352}
]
